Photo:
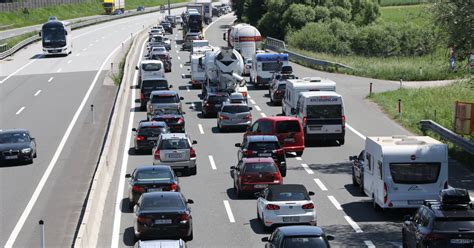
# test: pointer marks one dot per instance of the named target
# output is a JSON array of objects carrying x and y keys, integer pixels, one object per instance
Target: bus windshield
[{"x": 54, "y": 37}]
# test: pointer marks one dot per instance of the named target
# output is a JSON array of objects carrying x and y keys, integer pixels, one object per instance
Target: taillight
[
  {"x": 385, "y": 193},
  {"x": 434, "y": 236},
  {"x": 272, "y": 207},
  {"x": 223, "y": 117},
  {"x": 248, "y": 152},
  {"x": 308, "y": 206},
  {"x": 244, "y": 93},
  {"x": 140, "y": 138},
  {"x": 343, "y": 121},
  {"x": 180, "y": 120},
  {"x": 157, "y": 154},
  {"x": 173, "y": 187},
  {"x": 280, "y": 152},
  {"x": 137, "y": 188},
  {"x": 277, "y": 178},
  {"x": 192, "y": 153},
  {"x": 142, "y": 96},
  {"x": 144, "y": 220},
  {"x": 248, "y": 117},
  {"x": 183, "y": 218},
  {"x": 446, "y": 185},
  {"x": 304, "y": 121}
]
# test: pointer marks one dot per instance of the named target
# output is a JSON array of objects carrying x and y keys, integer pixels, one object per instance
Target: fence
[
  {"x": 33, "y": 4},
  {"x": 446, "y": 134}
]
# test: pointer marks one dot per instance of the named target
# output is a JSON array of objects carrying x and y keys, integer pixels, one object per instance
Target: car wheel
[
  {"x": 299, "y": 154},
  {"x": 354, "y": 181},
  {"x": 36, "y": 154},
  {"x": 190, "y": 237},
  {"x": 192, "y": 171},
  {"x": 341, "y": 141},
  {"x": 404, "y": 242},
  {"x": 137, "y": 151},
  {"x": 361, "y": 187},
  {"x": 258, "y": 216},
  {"x": 239, "y": 193},
  {"x": 283, "y": 173}
]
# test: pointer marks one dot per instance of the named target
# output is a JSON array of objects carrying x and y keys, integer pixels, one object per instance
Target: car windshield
[
  {"x": 159, "y": 49},
  {"x": 324, "y": 111},
  {"x": 415, "y": 173},
  {"x": 214, "y": 99},
  {"x": 287, "y": 196},
  {"x": 174, "y": 144},
  {"x": 288, "y": 126},
  {"x": 145, "y": 175},
  {"x": 265, "y": 145},
  {"x": 6, "y": 138},
  {"x": 259, "y": 167},
  {"x": 149, "y": 131},
  {"x": 235, "y": 109},
  {"x": 154, "y": 84},
  {"x": 304, "y": 242},
  {"x": 454, "y": 224},
  {"x": 165, "y": 99},
  {"x": 151, "y": 67},
  {"x": 162, "y": 203}
]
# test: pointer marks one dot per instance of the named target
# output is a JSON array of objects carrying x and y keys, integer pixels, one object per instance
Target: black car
[
  {"x": 358, "y": 170},
  {"x": 216, "y": 12},
  {"x": 140, "y": 8},
  {"x": 148, "y": 133},
  {"x": 212, "y": 103},
  {"x": 174, "y": 119},
  {"x": 163, "y": 215},
  {"x": 17, "y": 145},
  {"x": 151, "y": 84},
  {"x": 298, "y": 236},
  {"x": 167, "y": 26},
  {"x": 448, "y": 222},
  {"x": 152, "y": 178},
  {"x": 263, "y": 146}
]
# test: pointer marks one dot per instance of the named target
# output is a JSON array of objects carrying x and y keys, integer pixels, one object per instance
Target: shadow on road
[
  {"x": 132, "y": 152},
  {"x": 257, "y": 226},
  {"x": 338, "y": 168}
]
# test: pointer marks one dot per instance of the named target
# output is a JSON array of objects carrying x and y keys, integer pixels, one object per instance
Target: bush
[
  {"x": 321, "y": 14},
  {"x": 340, "y": 13},
  {"x": 297, "y": 15}
]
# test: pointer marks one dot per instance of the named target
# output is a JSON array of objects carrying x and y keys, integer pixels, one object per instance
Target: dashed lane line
[
  {"x": 229, "y": 211},
  {"x": 320, "y": 184},
  {"x": 211, "y": 161},
  {"x": 201, "y": 130},
  {"x": 179, "y": 58},
  {"x": 69, "y": 61},
  {"x": 252, "y": 101},
  {"x": 78, "y": 54},
  {"x": 37, "y": 92},
  {"x": 50, "y": 79},
  {"x": 335, "y": 202},
  {"x": 307, "y": 169},
  {"x": 263, "y": 114},
  {"x": 258, "y": 108},
  {"x": 353, "y": 224},
  {"x": 59, "y": 70},
  {"x": 369, "y": 244},
  {"x": 20, "y": 110},
  {"x": 299, "y": 158},
  {"x": 180, "y": 65}
]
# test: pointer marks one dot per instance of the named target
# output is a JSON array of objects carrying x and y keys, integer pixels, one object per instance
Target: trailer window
[
  {"x": 415, "y": 173},
  {"x": 271, "y": 66}
]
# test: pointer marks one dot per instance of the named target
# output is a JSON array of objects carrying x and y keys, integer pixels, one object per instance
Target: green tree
[
  {"x": 340, "y": 13},
  {"x": 238, "y": 7},
  {"x": 254, "y": 10},
  {"x": 364, "y": 12},
  {"x": 321, "y": 14},
  {"x": 297, "y": 15}
]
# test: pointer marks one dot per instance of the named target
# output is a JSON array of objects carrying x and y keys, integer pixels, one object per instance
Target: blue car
[{"x": 298, "y": 236}]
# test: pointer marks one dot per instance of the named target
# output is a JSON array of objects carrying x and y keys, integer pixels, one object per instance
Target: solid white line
[
  {"x": 59, "y": 70},
  {"x": 20, "y": 110},
  {"x": 229, "y": 211},
  {"x": 307, "y": 169},
  {"x": 187, "y": 89},
  {"x": 181, "y": 65},
  {"x": 69, "y": 61},
  {"x": 179, "y": 58},
  {"x": 200, "y": 129},
  {"x": 123, "y": 169},
  {"x": 258, "y": 108},
  {"x": 263, "y": 114},
  {"x": 355, "y": 131},
  {"x": 369, "y": 244},
  {"x": 78, "y": 54},
  {"x": 320, "y": 184},
  {"x": 252, "y": 101},
  {"x": 213, "y": 164},
  {"x": 15, "y": 72},
  {"x": 299, "y": 158},
  {"x": 50, "y": 79},
  {"x": 37, "y": 92},
  {"x": 335, "y": 202},
  {"x": 353, "y": 224}
]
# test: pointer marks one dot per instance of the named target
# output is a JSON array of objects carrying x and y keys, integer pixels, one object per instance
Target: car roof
[
  {"x": 160, "y": 243},
  {"x": 301, "y": 231},
  {"x": 234, "y": 104},
  {"x": 150, "y": 78},
  {"x": 259, "y": 138},
  {"x": 161, "y": 194},
  {"x": 151, "y": 61},
  {"x": 174, "y": 136},
  {"x": 439, "y": 212},
  {"x": 164, "y": 92},
  {"x": 287, "y": 187},
  {"x": 152, "y": 124},
  {"x": 15, "y": 130},
  {"x": 279, "y": 118},
  {"x": 258, "y": 160},
  {"x": 153, "y": 167},
  {"x": 217, "y": 94}
]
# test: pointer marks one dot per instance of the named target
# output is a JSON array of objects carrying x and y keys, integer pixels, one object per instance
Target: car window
[
  {"x": 361, "y": 156},
  {"x": 162, "y": 203},
  {"x": 304, "y": 242},
  {"x": 165, "y": 99},
  {"x": 234, "y": 109},
  {"x": 173, "y": 144},
  {"x": 265, "y": 127},
  {"x": 254, "y": 127},
  {"x": 153, "y": 84},
  {"x": 287, "y": 196},
  {"x": 415, "y": 173},
  {"x": 282, "y": 86},
  {"x": 454, "y": 224},
  {"x": 6, "y": 138},
  {"x": 216, "y": 99},
  {"x": 266, "y": 145},
  {"x": 166, "y": 111},
  {"x": 259, "y": 167},
  {"x": 287, "y": 126},
  {"x": 145, "y": 175},
  {"x": 151, "y": 67},
  {"x": 154, "y": 130},
  {"x": 276, "y": 238}
]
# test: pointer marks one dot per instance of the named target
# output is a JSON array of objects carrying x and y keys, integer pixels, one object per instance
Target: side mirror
[
  {"x": 407, "y": 218},
  {"x": 194, "y": 142},
  {"x": 352, "y": 158},
  {"x": 181, "y": 98},
  {"x": 128, "y": 176},
  {"x": 134, "y": 129},
  {"x": 65, "y": 32},
  {"x": 33, "y": 139},
  {"x": 250, "y": 108},
  {"x": 266, "y": 239},
  {"x": 171, "y": 86},
  {"x": 311, "y": 193},
  {"x": 238, "y": 145},
  {"x": 329, "y": 237},
  {"x": 39, "y": 33},
  {"x": 189, "y": 201},
  {"x": 232, "y": 167},
  {"x": 136, "y": 67}
]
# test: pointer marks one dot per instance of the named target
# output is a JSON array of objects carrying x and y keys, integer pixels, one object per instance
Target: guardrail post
[
  {"x": 370, "y": 89},
  {"x": 42, "y": 241},
  {"x": 92, "y": 113},
  {"x": 421, "y": 71},
  {"x": 401, "y": 82},
  {"x": 399, "y": 107}
]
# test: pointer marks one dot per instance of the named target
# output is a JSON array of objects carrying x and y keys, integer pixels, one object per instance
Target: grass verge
[
  {"x": 10, "y": 42},
  {"x": 416, "y": 14},
  {"x": 401, "y": 2},
  {"x": 435, "y": 103}
]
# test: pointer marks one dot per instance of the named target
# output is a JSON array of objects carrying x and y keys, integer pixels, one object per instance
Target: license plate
[
  {"x": 154, "y": 189},
  {"x": 291, "y": 219},
  {"x": 461, "y": 241},
  {"x": 315, "y": 128},
  {"x": 289, "y": 140},
  {"x": 174, "y": 155},
  {"x": 264, "y": 154},
  {"x": 152, "y": 138},
  {"x": 260, "y": 186},
  {"x": 11, "y": 157},
  {"x": 415, "y": 202},
  {"x": 163, "y": 221}
]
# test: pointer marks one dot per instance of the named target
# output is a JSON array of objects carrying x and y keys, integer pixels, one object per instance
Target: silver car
[
  {"x": 234, "y": 115},
  {"x": 163, "y": 99},
  {"x": 161, "y": 243},
  {"x": 175, "y": 150}
]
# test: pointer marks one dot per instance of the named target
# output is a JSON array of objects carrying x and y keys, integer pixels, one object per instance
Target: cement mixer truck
[{"x": 244, "y": 38}]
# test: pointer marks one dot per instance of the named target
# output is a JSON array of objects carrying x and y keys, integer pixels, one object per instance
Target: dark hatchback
[
  {"x": 298, "y": 236},
  {"x": 174, "y": 119},
  {"x": 212, "y": 103},
  {"x": 16, "y": 145},
  {"x": 445, "y": 223},
  {"x": 167, "y": 26},
  {"x": 263, "y": 146},
  {"x": 151, "y": 84},
  {"x": 163, "y": 215},
  {"x": 147, "y": 133},
  {"x": 151, "y": 178}
]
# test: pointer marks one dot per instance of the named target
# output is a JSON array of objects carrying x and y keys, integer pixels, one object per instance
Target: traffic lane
[{"x": 215, "y": 31}]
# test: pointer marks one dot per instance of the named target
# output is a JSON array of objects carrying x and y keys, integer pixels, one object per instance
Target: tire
[
  {"x": 354, "y": 181},
  {"x": 404, "y": 243},
  {"x": 376, "y": 206},
  {"x": 190, "y": 237},
  {"x": 36, "y": 155},
  {"x": 192, "y": 171},
  {"x": 283, "y": 173},
  {"x": 238, "y": 193},
  {"x": 299, "y": 154},
  {"x": 361, "y": 187},
  {"x": 341, "y": 141},
  {"x": 258, "y": 216},
  {"x": 130, "y": 205}
]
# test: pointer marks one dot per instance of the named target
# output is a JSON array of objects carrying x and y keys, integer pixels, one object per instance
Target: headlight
[{"x": 26, "y": 150}]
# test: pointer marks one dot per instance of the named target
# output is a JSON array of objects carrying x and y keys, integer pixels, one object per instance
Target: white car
[
  {"x": 155, "y": 31},
  {"x": 175, "y": 150},
  {"x": 285, "y": 204},
  {"x": 161, "y": 243},
  {"x": 157, "y": 52},
  {"x": 149, "y": 67}
]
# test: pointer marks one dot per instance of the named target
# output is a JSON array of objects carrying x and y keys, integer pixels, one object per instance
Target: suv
[
  {"x": 150, "y": 68},
  {"x": 445, "y": 223},
  {"x": 188, "y": 40},
  {"x": 163, "y": 99},
  {"x": 147, "y": 134},
  {"x": 358, "y": 170},
  {"x": 234, "y": 115},
  {"x": 172, "y": 117},
  {"x": 150, "y": 84},
  {"x": 175, "y": 150},
  {"x": 298, "y": 236},
  {"x": 263, "y": 146},
  {"x": 212, "y": 103},
  {"x": 288, "y": 130}
]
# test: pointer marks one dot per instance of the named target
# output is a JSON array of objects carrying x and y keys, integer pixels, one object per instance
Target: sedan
[
  {"x": 163, "y": 215},
  {"x": 298, "y": 236},
  {"x": 147, "y": 134},
  {"x": 285, "y": 204},
  {"x": 234, "y": 115},
  {"x": 150, "y": 179},
  {"x": 174, "y": 118},
  {"x": 17, "y": 145}
]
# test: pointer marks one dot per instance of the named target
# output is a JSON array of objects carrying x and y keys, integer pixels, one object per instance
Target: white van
[
  {"x": 150, "y": 68},
  {"x": 322, "y": 115},
  {"x": 295, "y": 86},
  {"x": 403, "y": 171},
  {"x": 264, "y": 65}
]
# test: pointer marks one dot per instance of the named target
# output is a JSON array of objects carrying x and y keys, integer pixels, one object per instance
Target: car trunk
[
  {"x": 175, "y": 155},
  {"x": 291, "y": 207},
  {"x": 259, "y": 177},
  {"x": 154, "y": 185},
  {"x": 160, "y": 218}
]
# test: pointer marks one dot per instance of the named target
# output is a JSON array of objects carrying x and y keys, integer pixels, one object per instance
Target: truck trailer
[{"x": 111, "y": 5}]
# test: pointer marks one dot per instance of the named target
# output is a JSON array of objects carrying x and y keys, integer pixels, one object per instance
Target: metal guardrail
[
  {"x": 82, "y": 24},
  {"x": 446, "y": 134},
  {"x": 280, "y": 46}
]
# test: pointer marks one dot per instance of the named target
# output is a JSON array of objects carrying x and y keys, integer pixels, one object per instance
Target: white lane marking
[
  {"x": 179, "y": 58},
  {"x": 15, "y": 72},
  {"x": 252, "y": 101},
  {"x": 200, "y": 129},
  {"x": 353, "y": 224},
  {"x": 123, "y": 170},
  {"x": 320, "y": 184},
  {"x": 258, "y": 108},
  {"x": 298, "y": 158},
  {"x": 355, "y": 131},
  {"x": 69, "y": 61},
  {"x": 213, "y": 164},
  {"x": 103, "y": 37},
  {"x": 188, "y": 90},
  {"x": 335, "y": 202},
  {"x": 369, "y": 244},
  {"x": 181, "y": 65},
  {"x": 84, "y": 49},
  {"x": 229, "y": 211},
  {"x": 78, "y": 54},
  {"x": 263, "y": 114},
  {"x": 59, "y": 70},
  {"x": 37, "y": 92},
  {"x": 20, "y": 110},
  {"x": 50, "y": 79},
  {"x": 248, "y": 96},
  {"x": 91, "y": 44},
  {"x": 175, "y": 46},
  {"x": 96, "y": 40},
  {"x": 307, "y": 169}
]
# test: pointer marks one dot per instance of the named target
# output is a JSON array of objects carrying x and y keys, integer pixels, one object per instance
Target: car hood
[{"x": 14, "y": 146}]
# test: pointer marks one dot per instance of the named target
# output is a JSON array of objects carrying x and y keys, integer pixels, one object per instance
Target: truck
[
  {"x": 192, "y": 20},
  {"x": 111, "y": 5},
  {"x": 264, "y": 65},
  {"x": 244, "y": 38},
  {"x": 206, "y": 10},
  {"x": 196, "y": 57}
]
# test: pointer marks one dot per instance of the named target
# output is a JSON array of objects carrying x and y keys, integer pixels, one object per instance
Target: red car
[
  {"x": 252, "y": 175},
  {"x": 288, "y": 130}
]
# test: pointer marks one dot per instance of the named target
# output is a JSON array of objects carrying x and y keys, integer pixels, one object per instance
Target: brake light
[
  {"x": 272, "y": 207},
  {"x": 308, "y": 206},
  {"x": 173, "y": 187},
  {"x": 280, "y": 152},
  {"x": 180, "y": 120},
  {"x": 137, "y": 188},
  {"x": 343, "y": 121},
  {"x": 142, "y": 96},
  {"x": 304, "y": 121},
  {"x": 157, "y": 154},
  {"x": 446, "y": 185},
  {"x": 248, "y": 152},
  {"x": 143, "y": 219},
  {"x": 223, "y": 117},
  {"x": 244, "y": 93},
  {"x": 385, "y": 193},
  {"x": 140, "y": 138},
  {"x": 183, "y": 218},
  {"x": 192, "y": 153},
  {"x": 248, "y": 117},
  {"x": 277, "y": 178},
  {"x": 433, "y": 236}
]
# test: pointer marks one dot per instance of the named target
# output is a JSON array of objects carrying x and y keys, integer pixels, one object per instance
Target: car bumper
[
  {"x": 17, "y": 157},
  {"x": 324, "y": 136},
  {"x": 177, "y": 164},
  {"x": 253, "y": 188},
  {"x": 235, "y": 123},
  {"x": 176, "y": 128},
  {"x": 271, "y": 218},
  {"x": 293, "y": 148},
  {"x": 161, "y": 231}
]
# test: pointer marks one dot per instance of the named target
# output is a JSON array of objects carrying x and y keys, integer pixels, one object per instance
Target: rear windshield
[
  {"x": 217, "y": 98},
  {"x": 162, "y": 203},
  {"x": 454, "y": 224},
  {"x": 287, "y": 76},
  {"x": 270, "y": 145},
  {"x": 165, "y": 99},
  {"x": 287, "y": 196},
  {"x": 304, "y": 242},
  {"x": 174, "y": 144},
  {"x": 235, "y": 109},
  {"x": 415, "y": 173},
  {"x": 270, "y": 66},
  {"x": 282, "y": 86},
  {"x": 166, "y": 111},
  {"x": 147, "y": 131},
  {"x": 153, "y": 175},
  {"x": 288, "y": 126},
  {"x": 151, "y": 67},
  {"x": 154, "y": 84},
  {"x": 324, "y": 111},
  {"x": 259, "y": 167}
]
